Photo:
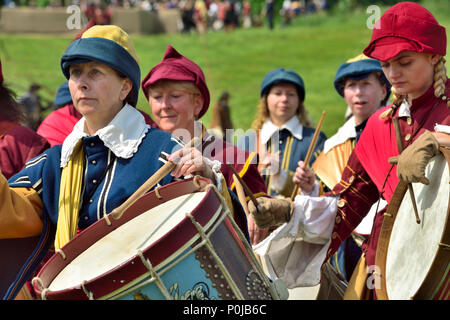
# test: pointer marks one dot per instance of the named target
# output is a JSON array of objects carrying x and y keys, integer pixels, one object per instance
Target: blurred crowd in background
[{"x": 195, "y": 15}]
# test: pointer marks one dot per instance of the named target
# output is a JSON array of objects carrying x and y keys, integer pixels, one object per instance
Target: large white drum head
[
  {"x": 123, "y": 243},
  {"x": 412, "y": 246}
]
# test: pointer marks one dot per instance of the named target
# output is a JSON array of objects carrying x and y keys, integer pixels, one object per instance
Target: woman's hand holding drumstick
[{"x": 310, "y": 152}]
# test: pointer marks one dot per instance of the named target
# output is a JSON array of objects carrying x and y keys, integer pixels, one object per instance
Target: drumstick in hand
[
  {"x": 244, "y": 185},
  {"x": 310, "y": 150},
  {"x": 400, "y": 150},
  {"x": 150, "y": 183}
]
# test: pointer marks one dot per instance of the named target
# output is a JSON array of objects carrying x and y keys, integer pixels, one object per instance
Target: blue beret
[
  {"x": 109, "y": 45},
  {"x": 63, "y": 96},
  {"x": 281, "y": 75},
  {"x": 358, "y": 70}
]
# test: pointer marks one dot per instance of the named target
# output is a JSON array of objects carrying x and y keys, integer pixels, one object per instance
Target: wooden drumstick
[
  {"x": 310, "y": 150},
  {"x": 400, "y": 150},
  {"x": 150, "y": 183},
  {"x": 241, "y": 194},
  {"x": 246, "y": 188}
]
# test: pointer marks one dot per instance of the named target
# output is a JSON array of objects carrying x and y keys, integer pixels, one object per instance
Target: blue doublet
[
  {"x": 125, "y": 176},
  {"x": 291, "y": 143}
]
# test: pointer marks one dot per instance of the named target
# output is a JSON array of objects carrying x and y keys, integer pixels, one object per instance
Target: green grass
[{"x": 314, "y": 46}]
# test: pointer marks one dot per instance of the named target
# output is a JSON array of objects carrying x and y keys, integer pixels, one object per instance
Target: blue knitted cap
[
  {"x": 109, "y": 45},
  {"x": 281, "y": 75}
]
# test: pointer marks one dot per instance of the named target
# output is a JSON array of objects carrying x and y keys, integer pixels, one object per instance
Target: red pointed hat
[
  {"x": 406, "y": 26},
  {"x": 176, "y": 67}
]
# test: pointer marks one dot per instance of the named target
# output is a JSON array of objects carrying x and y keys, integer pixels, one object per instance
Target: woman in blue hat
[
  {"x": 109, "y": 154},
  {"x": 365, "y": 89},
  {"x": 283, "y": 130}
]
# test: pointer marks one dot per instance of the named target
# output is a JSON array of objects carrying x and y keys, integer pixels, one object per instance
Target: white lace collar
[
  {"x": 122, "y": 135},
  {"x": 269, "y": 128}
]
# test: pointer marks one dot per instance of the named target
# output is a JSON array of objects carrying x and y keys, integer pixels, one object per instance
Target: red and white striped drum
[
  {"x": 413, "y": 257},
  {"x": 176, "y": 242}
]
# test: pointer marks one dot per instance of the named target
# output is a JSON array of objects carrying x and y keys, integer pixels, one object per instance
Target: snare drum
[
  {"x": 176, "y": 242},
  {"x": 414, "y": 257}
]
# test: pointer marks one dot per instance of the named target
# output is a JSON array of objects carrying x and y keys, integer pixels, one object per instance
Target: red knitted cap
[
  {"x": 176, "y": 67},
  {"x": 406, "y": 26}
]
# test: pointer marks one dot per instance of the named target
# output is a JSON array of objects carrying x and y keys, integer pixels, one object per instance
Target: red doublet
[
  {"x": 367, "y": 168},
  {"x": 58, "y": 124},
  {"x": 18, "y": 144}
]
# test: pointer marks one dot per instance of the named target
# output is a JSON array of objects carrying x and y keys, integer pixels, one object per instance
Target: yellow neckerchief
[{"x": 70, "y": 197}]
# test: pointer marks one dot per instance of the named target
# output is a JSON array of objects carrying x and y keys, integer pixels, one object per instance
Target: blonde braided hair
[
  {"x": 440, "y": 79},
  {"x": 397, "y": 101}
]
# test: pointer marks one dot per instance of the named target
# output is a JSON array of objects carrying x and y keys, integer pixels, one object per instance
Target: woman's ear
[
  {"x": 127, "y": 86},
  {"x": 198, "y": 104},
  {"x": 435, "y": 59}
]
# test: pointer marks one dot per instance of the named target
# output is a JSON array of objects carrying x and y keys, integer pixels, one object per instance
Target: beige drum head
[
  {"x": 123, "y": 243},
  {"x": 412, "y": 246}
]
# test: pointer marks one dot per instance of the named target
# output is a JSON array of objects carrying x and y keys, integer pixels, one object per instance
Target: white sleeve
[
  {"x": 314, "y": 192},
  {"x": 296, "y": 250},
  {"x": 442, "y": 128}
]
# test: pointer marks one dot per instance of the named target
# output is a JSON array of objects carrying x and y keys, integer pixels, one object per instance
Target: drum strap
[{"x": 399, "y": 138}]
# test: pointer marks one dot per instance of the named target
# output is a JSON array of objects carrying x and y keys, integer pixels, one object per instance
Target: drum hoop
[
  {"x": 46, "y": 275},
  {"x": 429, "y": 285}
]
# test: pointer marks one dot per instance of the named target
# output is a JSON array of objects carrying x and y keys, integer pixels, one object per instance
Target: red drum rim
[{"x": 125, "y": 273}]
